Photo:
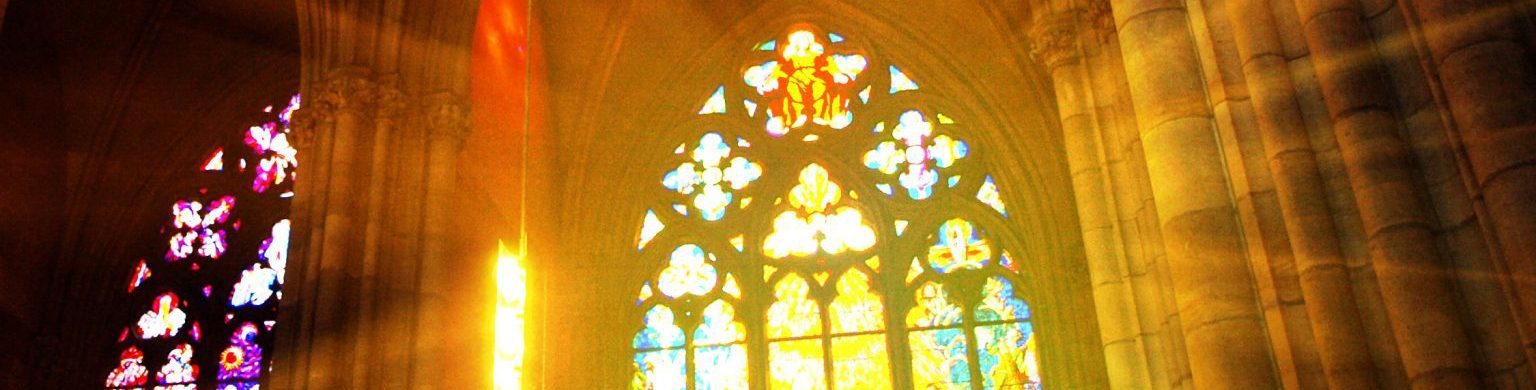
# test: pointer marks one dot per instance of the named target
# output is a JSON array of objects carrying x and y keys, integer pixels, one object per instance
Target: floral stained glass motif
[
  {"x": 659, "y": 359},
  {"x": 130, "y": 370},
  {"x": 254, "y": 287},
  {"x": 689, "y": 272},
  {"x": 275, "y": 250},
  {"x": 199, "y": 229},
  {"x": 959, "y": 246},
  {"x": 235, "y": 293},
  {"x": 710, "y": 178},
  {"x": 720, "y": 359},
  {"x": 178, "y": 367},
  {"x": 806, "y": 84},
  {"x": 242, "y": 360},
  {"x": 817, "y": 222},
  {"x": 913, "y": 148},
  {"x": 164, "y": 319},
  {"x": 276, "y": 157}
]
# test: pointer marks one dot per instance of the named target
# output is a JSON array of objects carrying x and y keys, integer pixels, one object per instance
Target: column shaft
[
  {"x": 1325, "y": 280},
  {"x": 1414, "y": 282},
  {"x": 1486, "y": 75},
  {"x": 1056, "y": 42},
  {"x": 1222, "y": 324}
]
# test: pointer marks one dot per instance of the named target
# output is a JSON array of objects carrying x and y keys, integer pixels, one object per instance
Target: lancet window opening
[
  {"x": 204, "y": 299},
  {"x": 826, "y": 222}
]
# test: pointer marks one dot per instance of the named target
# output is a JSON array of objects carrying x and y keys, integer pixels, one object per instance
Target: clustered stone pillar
[
  {"x": 1315, "y": 73},
  {"x": 1146, "y": 263},
  {"x": 1415, "y": 285},
  {"x": 1341, "y": 340},
  {"x": 380, "y": 131},
  {"x": 1222, "y": 323},
  {"x": 1055, "y": 42},
  {"x": 448, "y": 119},
  {"x": 1489, "y": 83}
]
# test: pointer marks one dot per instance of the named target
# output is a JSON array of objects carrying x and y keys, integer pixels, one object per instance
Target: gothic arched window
[
  {"x": 206, "y": 298},
  {"x": 826, "y": 225}
]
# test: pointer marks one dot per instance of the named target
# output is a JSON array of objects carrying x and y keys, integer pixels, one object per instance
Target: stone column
[
  {"x": 365, "y": 307},
  {"x": 447, "y": 121},
  {"x": 1308, "y": 221},
  {"x": 1145, "y": 259},
  {"x": 1414, "y": 281},
  {"x": 1222, "y": 322},
  {"x": 1054, "y": 41},
  {"x": 390, "y": 102},
  {"x": 1488, "y": 82},
  {"x": 350, "y": 92},
  {"x": 311, "y": 130}
]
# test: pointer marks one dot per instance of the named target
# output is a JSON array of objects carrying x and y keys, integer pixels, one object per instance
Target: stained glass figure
[
  {"x": 806, "y": 85},
  {"x": 1006, "y": 346},
  {"x": 938, "y": 359},
  {"x": 242, "y": 360},
  {"x": 817, "y": 223},
  {"x": 199, "y": 229},
  {"x": 958, "y": 246},
  {"x": 913, "y": 148},
  {"x": 130, "y": 371},
  {"x": 710, "y": 179},
  {"x": 823, "y": 321},
  {"x": 689, "y": 272},
  {"x": 164, "y": 319}
]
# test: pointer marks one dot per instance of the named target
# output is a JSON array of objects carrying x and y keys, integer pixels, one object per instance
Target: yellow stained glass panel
[
  {"x": 856, "y": 308},
  {"x": 796, "y": 365},
  {"x": 860, "y": 362},
  {"x": 793, "y": 314}
]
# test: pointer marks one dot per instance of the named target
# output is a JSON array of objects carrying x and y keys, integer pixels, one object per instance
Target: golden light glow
[{"x": 512, "y": 294}]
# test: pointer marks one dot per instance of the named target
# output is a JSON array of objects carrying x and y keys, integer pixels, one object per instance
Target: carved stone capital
[
  {"x": 1099, "y": 19},
  {"x": 306, "y": 123},
  {"x": 349, "y": 89},
  {"x": 1053, "y": 39},
  {"x": 447, "y": 116},
  {"x": 392, "y": 102}
]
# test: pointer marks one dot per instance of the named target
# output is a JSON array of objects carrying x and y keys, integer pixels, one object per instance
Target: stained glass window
[
  {"x": 204, "y": 303},
  {"x": 771, "y": 274}
]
